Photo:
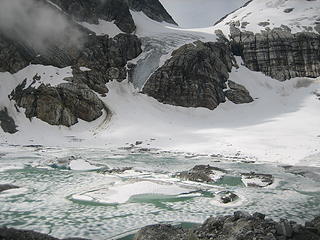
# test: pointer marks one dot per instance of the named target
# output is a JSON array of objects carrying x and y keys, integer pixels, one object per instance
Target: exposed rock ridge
[
  {"x": 92, "y": 10},
  {"x": 153, "y": 9},
  {"x": 195, "y": 76},
  {"x": 114, "y": 10},
  {"x": 278, "y": 53},
  {"x": 240, "y": 225},
  {"x": 103, "y": 58}
]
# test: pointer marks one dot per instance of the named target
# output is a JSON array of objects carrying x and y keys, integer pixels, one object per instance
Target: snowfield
[
  {"x": 297, "y": 15},
  {"x": 281, "y": 125}
]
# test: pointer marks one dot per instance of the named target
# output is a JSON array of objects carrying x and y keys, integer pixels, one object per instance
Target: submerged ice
[{"x": 116, "y": 192}]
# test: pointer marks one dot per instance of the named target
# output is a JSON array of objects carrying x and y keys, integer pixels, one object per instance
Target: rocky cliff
[
  {"x": 195, "y": 76},
  {"x": 103, "y": 58},
  {"x": 114, "y": 10},
  {"x": 278, "y": 53}
]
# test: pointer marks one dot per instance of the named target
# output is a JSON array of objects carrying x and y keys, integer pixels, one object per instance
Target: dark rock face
[
  {"x": 13, "y": 55},
  {"x": 153, "y": 9},
  {"x": 107, "y": 58},
  {"x": 15, "y": 234},
  {"x": 200, "y": 173},
  {"x": 241, "y": 225},
  {"x": 5, "y": 187},
  {"x": 114, "y": 10},
  {"x": 104, "y": 57},
  {"x": 93, "y": 10},
  {"x": 6, "y": 122},
  {"x": 194, "y": 76},
  {"x": 278, "y": 53},
  {"x": 61, "y": 105},
  {"x": 237, "y": 93}
]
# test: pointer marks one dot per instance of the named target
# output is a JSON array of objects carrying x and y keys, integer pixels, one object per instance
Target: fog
[{"x": 36, "y": 23}]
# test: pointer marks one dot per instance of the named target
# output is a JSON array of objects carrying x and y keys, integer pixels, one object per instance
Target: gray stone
[
  {"x": 227, "y": 197},
  {"x": 6, "y": 122},
  {"x": 5, "y": 187},
  {"x": 284, "y": 229},
  {"x": 237, "y": 93},
  {"x": 161, "y": 232},
  {"x": 194, "y": 76}
]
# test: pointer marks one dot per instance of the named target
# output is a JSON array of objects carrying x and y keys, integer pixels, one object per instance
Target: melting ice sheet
[{"x": 99, "y": 202}]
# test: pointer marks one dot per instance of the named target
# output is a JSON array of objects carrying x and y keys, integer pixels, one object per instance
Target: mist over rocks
[
  {"x": 37, "y": 24},
  {"x": 117, "y": 11}
]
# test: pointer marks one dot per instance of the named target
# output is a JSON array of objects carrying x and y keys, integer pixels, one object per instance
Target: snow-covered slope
[
  {"x": 281, "y": 125},
  {"x": 298, "y": 15}
]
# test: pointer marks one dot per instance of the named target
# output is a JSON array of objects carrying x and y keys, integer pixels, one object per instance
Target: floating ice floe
[
  {"x": 122, "y": 192},
  {"x": 13, "y": 192},
  {"x": 72, "y": 163},
  {"x": 257, "y": 180}
]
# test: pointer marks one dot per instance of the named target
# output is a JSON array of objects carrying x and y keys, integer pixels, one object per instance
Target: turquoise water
[{"x": 67, "y": 203}]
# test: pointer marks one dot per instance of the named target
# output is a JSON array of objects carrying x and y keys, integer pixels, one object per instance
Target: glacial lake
[{"x": 70, "y": 192}]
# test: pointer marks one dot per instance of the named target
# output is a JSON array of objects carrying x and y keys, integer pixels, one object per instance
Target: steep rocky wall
[
  {"x": 153, "y": 9},
  {"x": 114, "y": 10},
  {"x": 195, "y": 76},
  {"x": 278, "y": 53},
  {"x": 104, "y": 59},
  {"x": 93, "y": 10}
]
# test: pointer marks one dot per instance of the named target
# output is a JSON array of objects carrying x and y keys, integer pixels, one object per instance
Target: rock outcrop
[
  {"x": 103, "y": 58},
  {"x": 61, "y": 105},
  {"x": 278, "y": 53},
  {"x": 240, "y": 225},
  {"x": 117, "y": 11},
  {"x": 93, "y": 10},
  {"x": 195, "y": 76},
  {"x": 14, "y": 56},
  {"x": 6, "y": 122},
  {"x": 153, "y": 9},
  {"x": 201, "y": 173}
]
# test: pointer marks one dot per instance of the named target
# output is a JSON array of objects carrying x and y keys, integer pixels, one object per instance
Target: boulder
[
  {"x": 6, "y": 122},
  {"x": 237, "y": 93},
  {"x": 5, "y": 187}
]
